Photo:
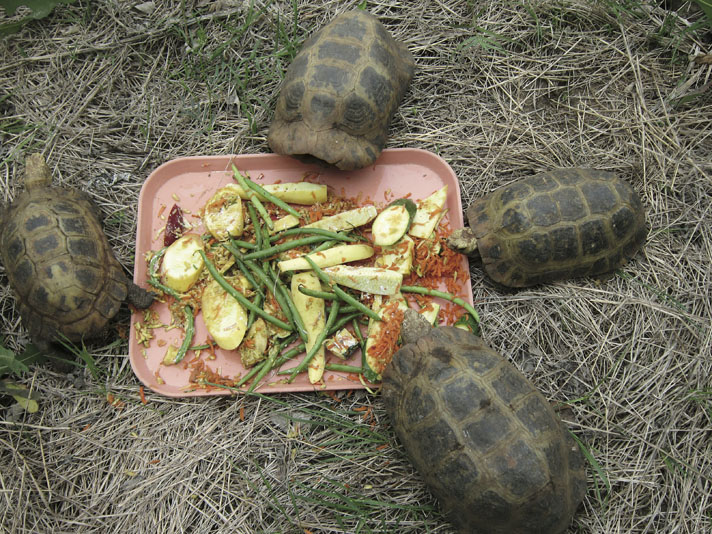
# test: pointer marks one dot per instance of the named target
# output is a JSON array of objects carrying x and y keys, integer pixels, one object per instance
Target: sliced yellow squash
[{"x": 224, "y": 317}]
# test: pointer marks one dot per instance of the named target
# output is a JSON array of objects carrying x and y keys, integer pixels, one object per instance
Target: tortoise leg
[{"x": 139, "y": 297}]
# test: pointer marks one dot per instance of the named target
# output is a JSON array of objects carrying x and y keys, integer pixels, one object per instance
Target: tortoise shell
[
  {"x": 566, "y": 223},
  {"x": 58, "y": 261},
  {"x": 486, "y": 441},
  {"x": 340, "y": 93}
]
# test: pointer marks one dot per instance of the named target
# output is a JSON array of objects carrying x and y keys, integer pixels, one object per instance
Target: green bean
[
  {"x": 443, "y": 295},
  {"x": 257, "y": 188},
  {"x": 298, "y": 349},
  {"x": 278, "y": 296},
  {"x": 243, "y": 244},
  {"x": 265, "y": 368},
  {"x": 343, "y": 320},
  {"x": 325, "y": 245},
  {"x": 204, "y": 346},
  {"x": 239, "y": 297},
  {"x": 256, "y": 226},
  {"x": 341, "y": 293},
  {"x": 357, "y": 331},
  {"x": 283, "y": 358},
  {"x": 153, "y": 277},
  {"x": 339, "y": 367},
  {"x": 294, "y": 312},
  {"x": 326, "y": 295},
  {"x": 252, "y": 196},
  {"x": 276, "y": 249},
  {"x": 337, "y": 236},
  {"x": 251, "y": 317},
  {"x": 189, "y": 332},
  {"x": 243, "y": 268},
  {"x": 317, "y": 343}
]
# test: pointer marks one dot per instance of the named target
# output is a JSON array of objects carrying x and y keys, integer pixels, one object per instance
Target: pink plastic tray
[{"x": 191, "y": 181}]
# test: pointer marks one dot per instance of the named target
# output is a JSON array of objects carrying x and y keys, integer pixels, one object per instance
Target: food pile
[{"x": 293, "y": 278}]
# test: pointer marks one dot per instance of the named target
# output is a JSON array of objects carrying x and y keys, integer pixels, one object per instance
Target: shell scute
[
  {"x": 567, "y": 243},
  {"x": 599, "y": 197},
  {"x": 535, "y": 249},
  {"x": 461, "y": 395},
  {"x": 543, "y": 211},
  {"x": 486, "y": 432},
  {"x": 593, "y": 237},
  {"x": 519, "y": 470},
  {"x": 570, "y": 203},
  {"x": 514, "y": 221},
  {"x": 421, "y": 404}
]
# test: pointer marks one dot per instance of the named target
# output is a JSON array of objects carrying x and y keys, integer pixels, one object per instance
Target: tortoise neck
[{"x": 37, "y": 173}]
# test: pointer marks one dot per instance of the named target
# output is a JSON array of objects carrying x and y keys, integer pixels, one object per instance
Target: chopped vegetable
[
  {"x": 326, "y": 258},
  {"x": 382, "y": 339},
  {"x": 398, "y": 257},
  {"x": 311, "y": 310},
  {"x": 223, "y": 215},
  {"x": 254, "y": 347},
  {"x": 288, "y": 221},
  {"x": 224, "y": 317},
  {"x": 393, "y": 222},
  {"x": 343, "y": 344},
  {"x": 430, "y": 312},
  {"x": 366, "y": 279},
  {"x": 430, "y": 211},
  {"x": 175, "y": 226},
  {"x": 347, "y": 220},
  {"x": 182, "y": 264},
  {"x": 304, "y": 193}
]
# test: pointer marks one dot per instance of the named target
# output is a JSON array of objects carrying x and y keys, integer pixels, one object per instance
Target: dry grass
[{"x": 504, "y": 89}]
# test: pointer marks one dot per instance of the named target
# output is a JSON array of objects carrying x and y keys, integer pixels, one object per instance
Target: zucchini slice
[
  {"x": 398, "y": 257},
  {"x": 393, "y": 222},
  {"x": 430, "y": 211},
  {"x": 366, "y": 279},
  {"x": 346, "y": 220},
  {"x": 326, "y": 258}
]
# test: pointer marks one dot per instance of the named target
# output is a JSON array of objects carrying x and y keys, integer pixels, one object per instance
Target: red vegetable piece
[{"x": 175, "y": 226}]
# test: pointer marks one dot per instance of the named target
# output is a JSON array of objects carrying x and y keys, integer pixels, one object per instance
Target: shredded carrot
[
  {"x": 142, "y": 394},
  {"x": 381, "y": 447},
  {"x": 386, "y": 344},
  {"x": 332, "y": 394},
  {"x": 242, "y": 413},
  {"x": 361, "y": 409}
]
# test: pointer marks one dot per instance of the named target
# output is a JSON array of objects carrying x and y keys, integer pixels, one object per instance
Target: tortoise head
[{"x": 37, "y": 173}]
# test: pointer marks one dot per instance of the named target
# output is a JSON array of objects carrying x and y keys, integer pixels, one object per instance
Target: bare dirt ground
[{"x": 109, "y": 90}]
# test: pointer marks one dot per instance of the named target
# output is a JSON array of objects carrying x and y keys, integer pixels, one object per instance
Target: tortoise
[
  {"x": 566, "y": 223},
  {"x": 486, "y": 441},
  {"x": 67, "y": 282},
  {"x": 340, "y": 93}
]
